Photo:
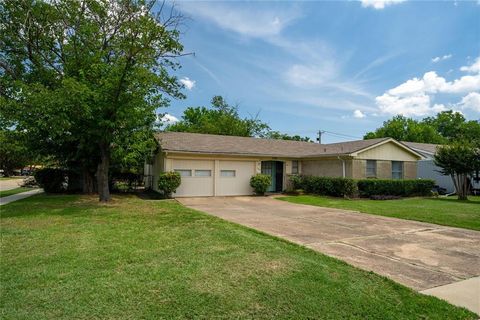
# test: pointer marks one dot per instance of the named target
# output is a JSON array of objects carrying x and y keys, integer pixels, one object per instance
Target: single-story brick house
[{"x": 214, "y": 165}]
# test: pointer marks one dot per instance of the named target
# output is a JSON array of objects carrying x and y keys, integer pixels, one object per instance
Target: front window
[
  {"x": 371, "y": 169},
  {"x": 184, "y": 172},
  {"x": 203, "y": 173},
  {"x": 294, "y": 166},
  {"x": 397, "y": 169},
  {"x": 227, "y": 173}
]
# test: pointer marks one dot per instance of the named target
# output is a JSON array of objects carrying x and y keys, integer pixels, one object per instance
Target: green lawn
[
  {"x": 70, "y": 257},
  {"x": 10, "y": 192},
  {"x": 444, "y": 211}
]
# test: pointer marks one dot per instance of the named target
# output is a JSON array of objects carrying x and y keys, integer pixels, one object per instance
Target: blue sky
[{"x": 340, "y": 66}]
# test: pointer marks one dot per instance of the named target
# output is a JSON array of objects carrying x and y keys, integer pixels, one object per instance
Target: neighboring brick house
[{"x": 214, "y": 165}]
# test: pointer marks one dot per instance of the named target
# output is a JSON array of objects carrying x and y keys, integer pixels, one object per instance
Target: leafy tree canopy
[
  {"x": 283, "y": 136},
  {"x": 406, "y": 129},
  {"x": 221, "y": 118},
  {"x": 224, "y": 119},
  {"x": 83, "y": 77},
  {"x": 444, "y": 127},
  {"x": 458, "y": 160}
]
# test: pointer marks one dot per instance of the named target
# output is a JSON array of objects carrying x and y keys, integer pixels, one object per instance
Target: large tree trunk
[
  {"x": 462, "y": 186},
  {"x": 102, "y": 173},
  {"x": 88, "y": 181}
]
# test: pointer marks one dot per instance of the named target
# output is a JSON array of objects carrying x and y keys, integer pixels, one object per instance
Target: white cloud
[
  {"x": 168, "y": 119},
  {"x": 358, "y": 114},
  {"x": 416, "y": 105},
  {"x": 473, "y": 68},
  {"x": 312, "y": 70},
  {"x": 189, "y": 84},
  {"x": 445, "y": 57},
  {"x": 379, "y": 4},
  {"x": 246, "y": 21},
  {"x": 432, "y": 83},
  {"x": 305, "y": 75},
  {"x": 414, "y": 97},
  {"x": 471, "y": 101}
]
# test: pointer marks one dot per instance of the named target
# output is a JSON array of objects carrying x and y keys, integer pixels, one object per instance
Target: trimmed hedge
[
  {"x": 402, "y": 188},
  {"x": 336, "y": 187},
  {"x": 346, "y": 187}
]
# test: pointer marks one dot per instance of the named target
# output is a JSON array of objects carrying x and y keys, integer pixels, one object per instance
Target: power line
[
  {"x": 339, "y": 137},
  {"x": 316, "y": 131},
  {"x": 342, "y": 135}
]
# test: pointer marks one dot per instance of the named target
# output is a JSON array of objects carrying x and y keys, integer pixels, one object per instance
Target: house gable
[{"x": 388, "y": 150}]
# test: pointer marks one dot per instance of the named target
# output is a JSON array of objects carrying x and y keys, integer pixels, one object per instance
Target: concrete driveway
[{"x": 418, "y": 255}]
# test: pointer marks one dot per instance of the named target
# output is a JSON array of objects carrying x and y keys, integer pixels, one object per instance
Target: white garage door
[
  {"x": 234, "y": 178},
  {"x": 197, "y": 177}
]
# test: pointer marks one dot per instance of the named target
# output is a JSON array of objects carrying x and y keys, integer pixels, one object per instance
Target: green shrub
[
  {"x": 52, "y": 180},
  {"x": 328, "y": 186},
  {"x": 403, "y": 188},
  {"x": 168, "y": 182},
  {"x": 296, "y": 182},
  {"x": 346, "y": 187},
  {"x": 260, "y": 183}
]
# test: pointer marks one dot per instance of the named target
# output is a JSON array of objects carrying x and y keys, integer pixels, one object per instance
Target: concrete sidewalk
[
  {"x": 464, "y": 293},
  {"x": 19, "y": 196}
]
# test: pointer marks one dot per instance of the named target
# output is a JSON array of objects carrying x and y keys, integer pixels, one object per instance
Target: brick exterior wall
[{"x": 410, "y": 170}]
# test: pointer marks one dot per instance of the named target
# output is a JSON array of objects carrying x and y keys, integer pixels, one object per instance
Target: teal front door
[{"x": 269, "y": 168}]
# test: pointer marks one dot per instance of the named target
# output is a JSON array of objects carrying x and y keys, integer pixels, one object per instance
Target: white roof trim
[{"x": 399, "y": 144}]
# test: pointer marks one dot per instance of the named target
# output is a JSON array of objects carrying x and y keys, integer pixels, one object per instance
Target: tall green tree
[
  {"x": 405, "y": 129},
  {"x": 459, "y": 160},
  {"x": 222, "y": 119},
  {"x": 453, "y": 126},
  {"x": 446, "y": 126},
  {"x": 81, "y": 77}
]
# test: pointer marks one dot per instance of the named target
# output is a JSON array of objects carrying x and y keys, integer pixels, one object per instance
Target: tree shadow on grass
[
  {"x": 454, "y": 200},
  {"x": 151, "y": 195},
  {"x": 49, "y": 204}
]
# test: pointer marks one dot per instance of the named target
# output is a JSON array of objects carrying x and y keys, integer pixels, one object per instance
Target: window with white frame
[
  {"x": 397, "y": 169},
  {"x": 294, "y": 166},
  {"x": 184, "y": 172},
  {"x": 371, "y": 169},
  {"x": 203, "y": 173},
  {"x": 227, "y": 173}
]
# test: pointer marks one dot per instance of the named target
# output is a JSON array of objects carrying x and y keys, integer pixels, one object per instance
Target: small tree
[
  {"x": 458, "y": 160},
  {"x": 168, "y": 182},
  {"x": 260, "y": 183}
]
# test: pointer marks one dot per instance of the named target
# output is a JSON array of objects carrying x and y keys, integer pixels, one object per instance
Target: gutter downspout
[{"x": 343, "y": 165}]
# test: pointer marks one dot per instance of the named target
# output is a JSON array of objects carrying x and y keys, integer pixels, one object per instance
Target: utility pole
[{"x": 319, "y": 139}]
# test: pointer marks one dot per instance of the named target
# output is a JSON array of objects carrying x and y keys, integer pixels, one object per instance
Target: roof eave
[{"x": 232, "y": 154}]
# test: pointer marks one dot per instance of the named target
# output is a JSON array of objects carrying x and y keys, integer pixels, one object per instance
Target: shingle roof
[
  {"x": 423, "y": 147},
  {"x": 217, "y": 144}
]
